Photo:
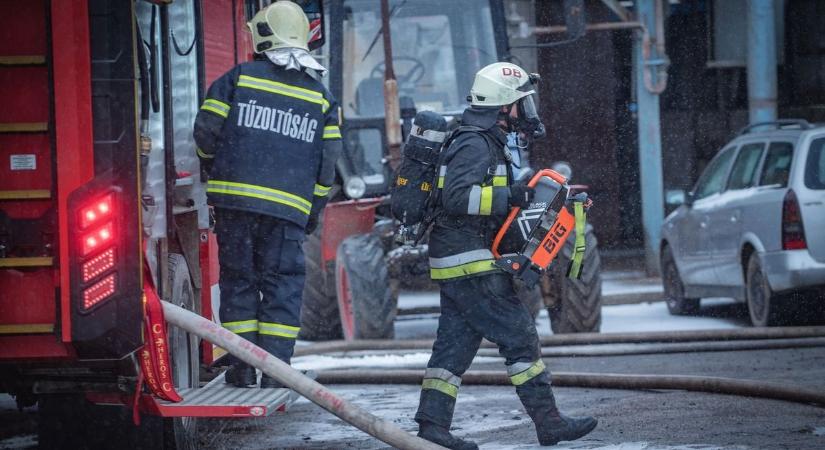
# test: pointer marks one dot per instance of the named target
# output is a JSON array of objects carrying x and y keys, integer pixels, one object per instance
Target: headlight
[{"x": 355, "y": 187}]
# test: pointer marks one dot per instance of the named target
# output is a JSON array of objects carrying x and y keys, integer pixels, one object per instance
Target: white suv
[{"x": 753, "y": 228}]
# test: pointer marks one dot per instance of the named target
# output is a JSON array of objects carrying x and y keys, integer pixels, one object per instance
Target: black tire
[
  {"x": 68, "y": 421},
  {"x": 367, "y": 300},
  {"x": 763, "y": 304},
  {"x": 320, "y": 320},
  {"x": 182, "y": 432},
  {"x": 575, "y": 306},
  {"x": 674, "y": 290}
]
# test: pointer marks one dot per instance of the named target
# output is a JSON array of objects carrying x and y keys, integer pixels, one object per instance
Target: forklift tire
[
  {"x": 575, "y": 306},
  {"x": 320, "y": 320},
  {"x": 181, "y": 433},
  {"x": 367, "y": 299}
]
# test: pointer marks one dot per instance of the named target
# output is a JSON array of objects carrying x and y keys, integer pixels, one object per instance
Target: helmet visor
[{"x": 527, "y": 107}]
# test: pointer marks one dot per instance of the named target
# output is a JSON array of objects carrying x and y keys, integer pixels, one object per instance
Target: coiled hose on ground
[{"x": 393, "y": 435}]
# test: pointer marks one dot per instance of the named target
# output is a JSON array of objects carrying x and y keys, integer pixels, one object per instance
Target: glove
[
  {"x": 312, "y": 224},
  {"x": 521, "y": 195}
]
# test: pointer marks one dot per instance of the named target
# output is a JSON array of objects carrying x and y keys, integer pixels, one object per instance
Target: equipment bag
[{"x": 416, "y": 174}]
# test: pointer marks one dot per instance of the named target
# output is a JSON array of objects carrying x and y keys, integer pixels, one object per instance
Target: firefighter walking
[
  {"x": 476, "y": 191},
  {"x": 268, "y": 133}
]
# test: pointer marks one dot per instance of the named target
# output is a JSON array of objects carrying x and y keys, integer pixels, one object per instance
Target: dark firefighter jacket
[
  {"x": 473, "y": 201},
  {"x": 269, "y": 138}
]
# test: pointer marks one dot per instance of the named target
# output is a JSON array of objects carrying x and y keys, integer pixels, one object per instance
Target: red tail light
[
  {"x": 97, "y": 239},
  {"x": 97, "y": 211},
  {"x": 99, "y": 291},
  {"x": 98, "y": 265},
  {"x": 793, "y": 234}
]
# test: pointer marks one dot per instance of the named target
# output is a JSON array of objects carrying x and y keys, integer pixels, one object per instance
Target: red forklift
[{"x": 102, "y": 190}]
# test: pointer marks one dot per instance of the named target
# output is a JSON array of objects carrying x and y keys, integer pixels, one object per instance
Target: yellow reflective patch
[
  {"x": 441, "y": 386},
  {"x": 462, "y": 270},
  {"x": 486, "y": 204},
  {"x": 523, "y": 377}
]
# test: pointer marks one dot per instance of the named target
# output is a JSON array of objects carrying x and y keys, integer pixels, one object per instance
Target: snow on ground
[
  {"x": 715, "y": 314},
  {"x": 19, "y": 442},
  {"x": 584, "y": 444},
  {"x": 407, "y": 360}
]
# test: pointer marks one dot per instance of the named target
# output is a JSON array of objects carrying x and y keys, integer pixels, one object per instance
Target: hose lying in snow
[
  {"x": 585, "y": 339},
  {"x": 309, "y": 388},
  {"x": 716, "y": 385}
]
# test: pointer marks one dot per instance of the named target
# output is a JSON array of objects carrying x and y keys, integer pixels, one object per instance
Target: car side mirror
[{"x": 688, "y": 198}]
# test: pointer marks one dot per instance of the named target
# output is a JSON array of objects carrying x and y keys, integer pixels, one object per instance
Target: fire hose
[
  {"x": 283, "y": 373},
  {"x": 391, "y": 434}
]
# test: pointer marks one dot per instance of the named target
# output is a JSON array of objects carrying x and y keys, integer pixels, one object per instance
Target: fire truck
[{"x": 102, "y": 200}]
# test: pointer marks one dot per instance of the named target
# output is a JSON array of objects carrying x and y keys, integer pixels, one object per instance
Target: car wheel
[
  {"x": 762, "y": 302},
  {"x": 677, "y": 304}
]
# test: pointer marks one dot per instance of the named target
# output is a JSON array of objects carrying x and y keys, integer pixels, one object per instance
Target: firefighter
[
  {"x": 476, "y": 192},
  {"x": 268, "y": 135}
]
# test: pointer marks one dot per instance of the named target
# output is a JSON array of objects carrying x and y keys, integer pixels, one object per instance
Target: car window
[
  {"x": 815, "y": 166},
  {"x": 743, "y": 174},
  {"x": 713, "y": 178},
  {"x": 777, "y": 165}
]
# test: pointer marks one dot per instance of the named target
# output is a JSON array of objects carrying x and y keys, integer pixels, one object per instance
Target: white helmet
[
  {"x": 500, "y": 84},
  {"x": 282, "y": 24}
]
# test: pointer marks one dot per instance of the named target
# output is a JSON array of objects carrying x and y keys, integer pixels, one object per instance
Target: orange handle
[{"x": 553, "y": 175}]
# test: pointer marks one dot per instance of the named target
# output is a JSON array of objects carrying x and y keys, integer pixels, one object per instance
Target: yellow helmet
[
  {"x": 282, "y": 24},
  {"x": 500, "y": 84}
]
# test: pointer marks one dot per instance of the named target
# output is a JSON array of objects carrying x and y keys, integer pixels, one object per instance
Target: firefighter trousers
[
  {"x": 488, "y": 307},
  {"x": 261, "y": 278}
]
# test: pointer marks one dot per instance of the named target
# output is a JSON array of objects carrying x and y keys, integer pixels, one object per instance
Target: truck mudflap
[
  {"x": 219, "y": 399},
  {"x": 154, "y": 356}
]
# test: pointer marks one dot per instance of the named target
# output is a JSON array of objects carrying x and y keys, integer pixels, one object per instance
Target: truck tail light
[
  {"x": 793, "y": 234},
  {"x": 99, "y": 291},
  {"x": 96, "y": 256},
  {"x": 98, "y": 265},
  {"x": 97, "y": 211},
  {"x": 97, "y": 239}
]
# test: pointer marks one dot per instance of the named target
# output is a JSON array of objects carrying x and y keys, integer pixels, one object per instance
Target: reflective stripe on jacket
[
  {"x": 271, "y": 137},
  {"x": 473, "y": 200}
]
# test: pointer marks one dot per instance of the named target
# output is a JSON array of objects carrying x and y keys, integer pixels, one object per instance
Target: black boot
[
  {"x": 268, "y": 382},
  {"x": 241, "y": 375},
  {"x": 554, "y": 427},
  {"x": 441, "y": 436}
]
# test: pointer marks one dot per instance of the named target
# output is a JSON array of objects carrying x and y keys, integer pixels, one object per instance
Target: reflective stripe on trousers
[{"x": 441, "y": 380}]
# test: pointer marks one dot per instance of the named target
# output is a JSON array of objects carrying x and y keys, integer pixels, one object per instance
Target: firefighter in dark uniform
[
  {"x": 268, "y": 132},
  {"x": 478, "y": 300}
]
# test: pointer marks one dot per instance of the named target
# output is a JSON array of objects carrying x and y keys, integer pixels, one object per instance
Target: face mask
[{"x": 528, "y": 122}]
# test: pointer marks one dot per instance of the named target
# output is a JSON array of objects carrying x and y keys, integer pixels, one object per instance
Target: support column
[
  {"x": 761, "y": 60},
  {"x": 646, "y": 63}
]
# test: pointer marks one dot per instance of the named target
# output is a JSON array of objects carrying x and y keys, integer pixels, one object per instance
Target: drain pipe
[
  {"x": 283, "y": 373},
  {"x": 762, "y": 60},
  {"x": 715, "y": 385}
]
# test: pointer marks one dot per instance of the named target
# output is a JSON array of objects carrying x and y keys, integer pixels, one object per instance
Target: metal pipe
[
  {"x": 714, "y": 385},
  {"x": 603, "y": 26},
  {"x": 761, "y": 61},
  {"x": 392, "y": 107},
  {"x": 649, "y": 130},
  {"x": 250, "y": 353},
  {"x": 585, "y": 339}
]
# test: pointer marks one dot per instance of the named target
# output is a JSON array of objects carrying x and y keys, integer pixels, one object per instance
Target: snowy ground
[{"x": 653, "y": 316}]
